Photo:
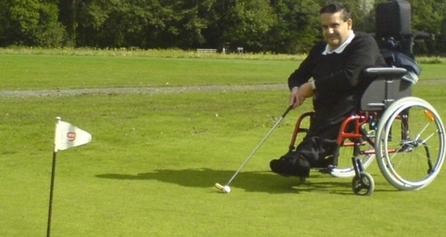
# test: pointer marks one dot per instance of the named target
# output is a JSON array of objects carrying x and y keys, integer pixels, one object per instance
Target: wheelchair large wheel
[
  {"x": 410, "y": 144},
  {"x": 345, "y": 169}
]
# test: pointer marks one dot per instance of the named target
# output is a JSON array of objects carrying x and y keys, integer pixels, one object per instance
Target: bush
[{"x": 52, "y": 35}]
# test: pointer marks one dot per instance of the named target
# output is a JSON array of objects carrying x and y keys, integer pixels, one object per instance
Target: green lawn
[
  {"x": 47, "y": 71},
  {"x": 62, "y": 71},
  {"x": 154, "y": 158}
]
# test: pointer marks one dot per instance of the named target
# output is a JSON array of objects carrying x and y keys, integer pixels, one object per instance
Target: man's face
[{"x": 334, "y": 29}]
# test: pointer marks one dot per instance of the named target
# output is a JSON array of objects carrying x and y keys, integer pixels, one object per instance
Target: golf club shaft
[{"x": 258, "y": 146}]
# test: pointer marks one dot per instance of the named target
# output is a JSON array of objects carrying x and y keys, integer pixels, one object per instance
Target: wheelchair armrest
[
  {"x": 384, "y": 72},
  {"x": 385, "y": 86}
]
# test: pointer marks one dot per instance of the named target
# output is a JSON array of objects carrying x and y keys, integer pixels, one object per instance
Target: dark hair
[{"x": 334, "y": 7}]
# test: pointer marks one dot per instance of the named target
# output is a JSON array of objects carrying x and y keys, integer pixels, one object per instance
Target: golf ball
[{"x": 226, "y": 189}]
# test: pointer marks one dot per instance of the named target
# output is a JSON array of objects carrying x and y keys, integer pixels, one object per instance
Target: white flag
[{"x": 68, "y": 136}]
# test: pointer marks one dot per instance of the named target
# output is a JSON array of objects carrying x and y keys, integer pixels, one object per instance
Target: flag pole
[
  {"x": 53, "y": 172},
  {"x": 50, "y": 205}
]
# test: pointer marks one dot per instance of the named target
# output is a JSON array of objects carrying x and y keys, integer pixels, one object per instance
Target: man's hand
[
  {"x": 299, "y": 94},
  {"x": 295, "y": 99}
]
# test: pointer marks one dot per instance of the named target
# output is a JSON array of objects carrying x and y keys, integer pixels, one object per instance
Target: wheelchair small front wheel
[
  {"x": 344, "y": 168},
  {"x": 363, "y": 185}
]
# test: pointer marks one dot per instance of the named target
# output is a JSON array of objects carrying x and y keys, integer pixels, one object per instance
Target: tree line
[{"x": 276, "y": 26}]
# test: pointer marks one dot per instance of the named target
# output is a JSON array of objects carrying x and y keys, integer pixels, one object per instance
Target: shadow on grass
[{"x": 250, "y": 181}]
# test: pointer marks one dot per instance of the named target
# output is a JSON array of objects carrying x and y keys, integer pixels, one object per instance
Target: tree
[
  {"x": 428, "y": 16},
  {"x": 297, "y": 27},
  {"x": 32, "y": 23},
  {"x": 279, "y": 26},
  {"x": 4, "y": 22},
  {"x": 249, "y": 23},
  {"x": 68, "y": 16},
  {"x": 142, "y": 23}
]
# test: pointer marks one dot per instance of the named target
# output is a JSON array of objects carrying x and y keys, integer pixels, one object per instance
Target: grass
[
  {"x": 60, "y": 71},
  {"x": 30, "y": 69},
  {"x": 154, "y": 158}
]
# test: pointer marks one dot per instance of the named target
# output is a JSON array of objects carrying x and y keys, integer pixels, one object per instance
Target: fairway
[{"x": 151, "y": 167}]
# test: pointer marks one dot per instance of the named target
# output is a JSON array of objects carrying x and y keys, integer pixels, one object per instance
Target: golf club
[{"x": 226, "y": 188}]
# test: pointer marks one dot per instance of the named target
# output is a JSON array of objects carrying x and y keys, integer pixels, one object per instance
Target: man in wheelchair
[{"x": 334, "y": 66}]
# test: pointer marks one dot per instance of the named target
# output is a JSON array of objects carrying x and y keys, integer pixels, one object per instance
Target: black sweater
[{"x": 336, "y": 75}]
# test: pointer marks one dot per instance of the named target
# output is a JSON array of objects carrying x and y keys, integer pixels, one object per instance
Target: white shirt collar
[{"x": 340, "y": 48}]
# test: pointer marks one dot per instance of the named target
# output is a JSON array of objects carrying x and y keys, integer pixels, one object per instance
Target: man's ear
[{"x": 350, "y": 23}]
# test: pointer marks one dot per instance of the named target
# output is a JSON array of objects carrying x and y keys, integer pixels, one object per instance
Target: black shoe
[
  {"x": 291, "y": 166},
  {"x": 277, "y": 166}
]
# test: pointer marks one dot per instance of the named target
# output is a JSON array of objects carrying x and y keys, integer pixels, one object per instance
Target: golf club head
[{"x": 219, "y": 186}]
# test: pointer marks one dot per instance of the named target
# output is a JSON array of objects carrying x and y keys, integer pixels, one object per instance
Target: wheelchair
[{"x": 404, "y": 133}]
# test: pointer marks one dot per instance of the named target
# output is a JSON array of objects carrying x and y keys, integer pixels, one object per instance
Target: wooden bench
[{"x": 207, "y": 50}]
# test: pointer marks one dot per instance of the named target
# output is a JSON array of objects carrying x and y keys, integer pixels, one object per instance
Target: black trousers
[{"x": 319, "y": 144}]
